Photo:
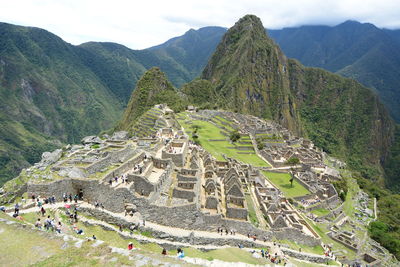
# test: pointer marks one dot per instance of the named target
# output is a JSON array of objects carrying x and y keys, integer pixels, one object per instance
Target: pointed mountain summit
[
  {"x": 249, "y": 73},
  {"x": 152, "y": 88}
]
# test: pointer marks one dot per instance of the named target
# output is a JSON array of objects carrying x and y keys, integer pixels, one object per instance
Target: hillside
[
  {"x": 52, "y": 92},
  {"x": 250, "y": 74},
  {"x": 152, "y": 88},
  {"x": 47, "y": 97},
  {"x": 357, "y": 50}
]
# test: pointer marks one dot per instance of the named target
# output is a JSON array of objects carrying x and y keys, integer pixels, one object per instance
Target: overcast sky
[{"x": 141, "y": 24}]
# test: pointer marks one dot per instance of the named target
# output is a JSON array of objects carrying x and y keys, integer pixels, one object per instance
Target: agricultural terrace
[
  {"x": 282, "y": 181},
  {"x": 214, "y": 141}
]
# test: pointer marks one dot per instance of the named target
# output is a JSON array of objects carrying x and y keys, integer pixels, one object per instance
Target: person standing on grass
[
  {"x": 58, "y": 227},
  {"x": 43, "y": 211}
]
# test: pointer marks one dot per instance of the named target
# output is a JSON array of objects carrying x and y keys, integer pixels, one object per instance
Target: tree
[
  {"x": 291, "y": 181},
  {"x": 235, "y": 136},
  {"x": 292, "y": 161}
]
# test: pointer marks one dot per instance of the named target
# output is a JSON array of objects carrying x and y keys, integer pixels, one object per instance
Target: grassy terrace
[
  {"x": 209, "y": 131},
  {"x": 282, "y": 181},
  {"x": 320, "y": 212},
  {"x": 251, "y": 210},
  {"x": 113, "y": 238}
]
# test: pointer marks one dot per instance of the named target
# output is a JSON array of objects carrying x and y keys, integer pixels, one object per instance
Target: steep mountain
[
  {"x": 250, "y": 74},
  {"x": 47, "y": 96},
  {"x": 152, "y": 88},
  {"x": 357, "y": 50}
]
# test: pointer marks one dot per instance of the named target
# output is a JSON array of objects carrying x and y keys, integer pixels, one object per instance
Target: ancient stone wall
[
  {"x": 236, "y": 213},
  {"x": 125, "y": 167},
  {"x": 113, "y": 157},
  {"x": 184, "y": 194}
]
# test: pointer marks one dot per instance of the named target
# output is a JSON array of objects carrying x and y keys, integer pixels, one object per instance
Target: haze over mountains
[{"x": 54, "y": 92}]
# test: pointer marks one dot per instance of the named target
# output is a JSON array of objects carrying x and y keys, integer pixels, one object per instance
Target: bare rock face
[
  {"x": 51, "y": 157},
  {"x": 73, "y": 172},
  {"x": 121, "y": 135},
  {"x": 92, "y": 140}
]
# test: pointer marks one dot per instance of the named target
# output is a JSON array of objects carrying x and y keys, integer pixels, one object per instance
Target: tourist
[
  {"x": 16, "y": 209},
  {"x": 58, "y": 228},
  {"x": 144, "y": 222},
  {"x": 181, "y": 254},
  {"x": 70, "y": 198},
  {"x": 43, "y": 211},
  {"x": 130, "y": 246},
  {"x": 164, "y": 252},
  {"x": 76, "y": 198},
  {"x": 94, "y": 237},
  {"x": 120, "y": 228},
  {"x": 23, "y": 200},
  {"x": 3, "y": 209},
  {"x": 38, "y": 224}
]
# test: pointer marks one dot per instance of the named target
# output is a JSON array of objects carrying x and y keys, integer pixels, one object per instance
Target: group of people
[
  {"x": 221, "y": 231},
  {"x": 123, "y": 179},
  {"x": 49, "y": 224},
  {"x": 98, "y": 205},
  {"x": 71, "y": 198}
]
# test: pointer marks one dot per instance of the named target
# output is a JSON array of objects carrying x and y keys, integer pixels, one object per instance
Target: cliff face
[{"x": 250, "y": 74}]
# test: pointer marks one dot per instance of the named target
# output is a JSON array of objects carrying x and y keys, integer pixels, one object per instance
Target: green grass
[
  {"x": 21, "y": 248},
  {"x": 320, "y": 212},
  {"x": 321, "y": 229},
  {"x": 250, "y": 208},
  {"x": 209, "y": 131},
  {"x": 282, "y": 181},
  {"x": 226, "y": 254},
  {"x": 295, "y": 246}
]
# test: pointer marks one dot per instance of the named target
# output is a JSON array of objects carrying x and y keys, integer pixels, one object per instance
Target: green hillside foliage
[
  {"x": 386, "y": 229},
  {"x": 47, "y": 97},
  {"x": 200, "y": 93},
  {"x": 392, "y": 165},
  {"x": 152, "y": 88},
  {"x": 343, "y": 118},
  {"x": 248, "y": 72},
  {"x": 357, "y": 50}
]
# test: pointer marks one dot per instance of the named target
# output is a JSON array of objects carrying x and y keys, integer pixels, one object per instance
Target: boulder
[
  {"x": 121, "y": 135},
  {"x": 91, "y": 140},
  {"x": 76, "y": 147},
  {"x": 72, "y": 172},
  {"x": 51, "y": 157}
]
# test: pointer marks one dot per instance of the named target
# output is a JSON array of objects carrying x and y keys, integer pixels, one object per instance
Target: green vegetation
[
  {"x": 28, "y": 248},
  {"x": 234, "y": 136},
  {"x": 251, "y": 210},
  {"x": 292, "y": 161},
  {"x": 153, "y": 88},
  {"x": 226, "y": 254},
  {"x": 282, "y": 181},
  {"x": 295, "y": 246},
  {"x": 320, "y": 212},
  {"x": 375, "y": 67},
  {"x": 392, "y": 164},
  {"x": 207, "y": 131}
]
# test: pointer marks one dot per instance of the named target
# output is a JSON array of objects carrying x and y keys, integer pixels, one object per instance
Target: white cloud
[{"x": 140, "y": 24}]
